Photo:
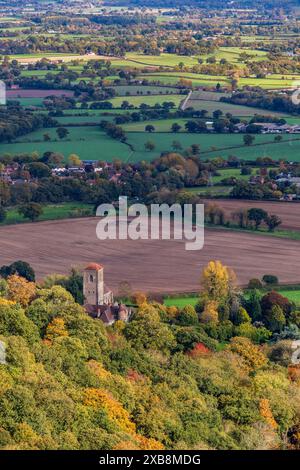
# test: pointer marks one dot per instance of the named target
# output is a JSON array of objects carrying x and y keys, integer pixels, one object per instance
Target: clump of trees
[{"x": 244, "y": 218}]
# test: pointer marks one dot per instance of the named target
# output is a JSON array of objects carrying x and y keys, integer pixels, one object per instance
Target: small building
[{"x": 99, "y": 299}]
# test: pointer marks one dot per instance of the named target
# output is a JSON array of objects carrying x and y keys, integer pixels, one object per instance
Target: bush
[
  {"x": 270, "y": 279},
  {"x": 255, "y": 284},
  {"x": 187, "y": 316},
  {"x": 3, "y": 214},
  {"x": 274, "y": 298}
]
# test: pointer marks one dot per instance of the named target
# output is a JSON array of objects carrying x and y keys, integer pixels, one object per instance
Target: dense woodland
[{"x": 171, "y": 378}]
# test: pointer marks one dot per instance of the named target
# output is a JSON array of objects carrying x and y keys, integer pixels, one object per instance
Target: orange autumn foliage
[
  {"x": 139, "y": 298},
  {"x": 139, "y": 443},
  {"x": 98, "y": 398},
  {"x": 20, "y": 290},
  {"x": 134, "y": 376},
  {"x": 294, "y": 372},
  {"x": 266, "y": 413},
  {"x": 149, "y": 443},
  {"x": 198, "y": 350},
  {"x": 56, "y": 329}
]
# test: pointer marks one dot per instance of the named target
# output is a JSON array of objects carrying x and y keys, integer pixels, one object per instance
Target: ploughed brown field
[
  {"x": 289, "y": 212},
  {"x": 156, "y": 266}
]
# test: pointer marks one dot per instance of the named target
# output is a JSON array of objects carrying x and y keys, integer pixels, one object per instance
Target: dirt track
[
  {"x": 289, "y": 212},
  {"x": 160, "y": 266}
]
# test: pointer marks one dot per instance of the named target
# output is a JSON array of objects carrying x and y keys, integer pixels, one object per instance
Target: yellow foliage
[
  {"x": 217, "y": 280},
  {"x": 6, "y": 302},
  {"x": 20, "y": 290},
  {"x": 210, "y": 312},
  {"x": 266, "y": 413},
  {"x": 126, "y": 445},
  {"x": 252, "y": 355},
  {"x": 119, "y": 326},
  {"x": 26, "y": 436},
  {"x": 74, "y": 160},
  {"x": 55, "y": 329},
  {"x": 139, "y": 443},
  {"x": 98, "y": 398},
  {"x": 98, "y": 369},
  {"x": 6, "y": 381},
  {"x": 172, "y": 312},
  {"x": 149, "y": 443}
]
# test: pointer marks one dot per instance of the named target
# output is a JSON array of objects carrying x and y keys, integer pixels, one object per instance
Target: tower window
[{"x": 91, "y": 278}]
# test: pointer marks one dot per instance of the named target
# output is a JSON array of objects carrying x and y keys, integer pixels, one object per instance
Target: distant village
[{"x": 15, "y": 173}]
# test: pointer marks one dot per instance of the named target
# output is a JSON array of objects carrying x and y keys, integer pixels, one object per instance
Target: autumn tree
[
  {"x": 187, "y": 316},
  {"x": 147, "y": 331},
  {"x": 216, "y": 280},
  {"x": 55, "y": 329},
  {"x": 273, "y": 221},
  {"x": 74, "y": 160},
  {"x": 31, "y": 211},
  {"x": 251, "y": 354},
  {"x": 210, "y": 312},
  {"x": 62, "y": 132},
  {"x": 257, "y": 216},
  {"x": 20, "y": 290}
]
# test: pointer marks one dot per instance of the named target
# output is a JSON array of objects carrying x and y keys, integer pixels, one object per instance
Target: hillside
[{"x": 162, "y": 381}]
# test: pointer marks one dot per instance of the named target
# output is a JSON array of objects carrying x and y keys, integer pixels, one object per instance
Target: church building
[{"x": 98, "y": 299}]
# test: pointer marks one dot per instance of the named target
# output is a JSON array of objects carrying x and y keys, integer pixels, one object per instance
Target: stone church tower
[
  {"x": 98, "y": 299},
  {"x": 93, "y": 284}
]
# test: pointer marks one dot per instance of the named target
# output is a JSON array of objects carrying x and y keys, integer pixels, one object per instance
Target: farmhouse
[
  {"x": 272, "y": 128},
  {"x": 98, "y": 299}
]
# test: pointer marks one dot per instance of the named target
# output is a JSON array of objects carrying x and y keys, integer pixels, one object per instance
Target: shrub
[
  {"x": 187, "y": 316},
  {"x": 3, "y": 214},
  {"x": 274, "y": 298},
  {"x": 255, "y": 284},
  {"x": 270, "y": 279}
]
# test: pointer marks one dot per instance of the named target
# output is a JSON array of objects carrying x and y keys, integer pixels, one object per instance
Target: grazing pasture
[
  {"x": 143, "y": 90},
  {"x": 150, "y": 100},
  {"x": 51, "y": 212},
  {"x": 88, "y": 142}
]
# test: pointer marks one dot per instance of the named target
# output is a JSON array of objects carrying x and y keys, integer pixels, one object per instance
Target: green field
[
  {"x": 133, "y": 90},
  {"x": 172, "y": 60},
  {"x": 82, "y": 120},
  {"x": 151, "y": 100},
  {"x": 52, "y": 212},
  {"x": 89, "y": 142},
  {"x": 161, "y": 125},
  {"x": 235, "y": 109},
  {"x": 28, "y": 101},
  {"x": 180, "y": 302},
  {"x": 210, "y": 191},
  {"x": 212, "y": 145}
]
